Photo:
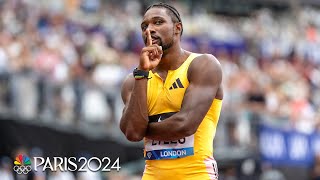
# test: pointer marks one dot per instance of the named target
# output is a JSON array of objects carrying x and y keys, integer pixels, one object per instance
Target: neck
[{"x": 172, "y": 58}]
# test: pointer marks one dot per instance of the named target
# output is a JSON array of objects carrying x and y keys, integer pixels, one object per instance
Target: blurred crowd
[
  {"x": 276, "y": 79},
  {"x": 64, "y": 61},
  {"x": 58, "y": 59}
]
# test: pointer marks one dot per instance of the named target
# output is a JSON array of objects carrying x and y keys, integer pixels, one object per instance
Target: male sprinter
[{"x": 173, "y": 101}]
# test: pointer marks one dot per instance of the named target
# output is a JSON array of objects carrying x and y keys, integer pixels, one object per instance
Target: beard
[{"x": 165, "y": 46}]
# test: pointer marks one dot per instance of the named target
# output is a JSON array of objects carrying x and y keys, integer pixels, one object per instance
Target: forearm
[
  {"x": 168, "y": 130},
  {"x": 134, "y": 120}
]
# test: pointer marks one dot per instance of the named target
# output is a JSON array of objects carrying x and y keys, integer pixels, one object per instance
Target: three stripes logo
[{"x": 176, "y": 84}]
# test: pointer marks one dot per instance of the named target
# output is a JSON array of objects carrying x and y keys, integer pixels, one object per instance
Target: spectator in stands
[{"x": 6, "y": 168}]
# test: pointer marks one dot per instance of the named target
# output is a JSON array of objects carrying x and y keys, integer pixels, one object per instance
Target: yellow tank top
[{"x": 187, "y": 158}]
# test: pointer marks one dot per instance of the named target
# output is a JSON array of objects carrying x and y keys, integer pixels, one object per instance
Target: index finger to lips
[{"x": 149, "y": 39}]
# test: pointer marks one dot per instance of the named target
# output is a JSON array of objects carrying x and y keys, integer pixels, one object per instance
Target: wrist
[
  {"x": 142, "y": 69},
  {"x": 139, "y": 74}
]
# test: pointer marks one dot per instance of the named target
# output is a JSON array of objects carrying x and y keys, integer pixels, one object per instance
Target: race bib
[{"x": 155, "y": 150}]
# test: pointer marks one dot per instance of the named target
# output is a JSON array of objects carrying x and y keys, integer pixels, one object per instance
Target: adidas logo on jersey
[{"x": 176, "y": 84}]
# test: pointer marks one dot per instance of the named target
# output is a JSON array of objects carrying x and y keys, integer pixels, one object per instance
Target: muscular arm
[
  {"x": 134, "y": 120},
  {"x": 205, "y": 77}
]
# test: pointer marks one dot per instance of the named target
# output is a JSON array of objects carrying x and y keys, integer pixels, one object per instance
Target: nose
[{"x": 151, "y": 29}]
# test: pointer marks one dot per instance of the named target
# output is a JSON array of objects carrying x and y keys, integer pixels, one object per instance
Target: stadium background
[{"x": 62, "y": 63}]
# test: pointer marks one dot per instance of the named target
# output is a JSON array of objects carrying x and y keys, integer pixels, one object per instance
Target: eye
[
  {"x": 158, "y": 22},
  {"x": 144, "y": 27}
]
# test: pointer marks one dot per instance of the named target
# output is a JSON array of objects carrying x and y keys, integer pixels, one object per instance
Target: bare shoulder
[
  {"x": 205, "y": 71},
  {"x": 204, "y": 65}
]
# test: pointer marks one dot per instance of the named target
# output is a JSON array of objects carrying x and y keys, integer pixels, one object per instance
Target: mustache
[{"x": 153, "y": 37}]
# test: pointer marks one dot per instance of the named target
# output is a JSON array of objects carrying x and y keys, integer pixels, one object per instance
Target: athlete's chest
[{"x": 166, "y": 95}]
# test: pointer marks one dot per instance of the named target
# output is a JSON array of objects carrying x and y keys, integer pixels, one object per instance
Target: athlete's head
[{"x": 164, "y": 24}]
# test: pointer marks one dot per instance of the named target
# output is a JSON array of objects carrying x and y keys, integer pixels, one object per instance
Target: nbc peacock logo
[{"x": 22, "y": 164}]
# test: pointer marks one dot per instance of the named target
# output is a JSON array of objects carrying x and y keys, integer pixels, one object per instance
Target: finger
[
  {"x": 155, "y": 51},
  {"x": 156, "y": 57},
  {"x": 153, "y": 55},
  {"x": 149, "y": 39},
  {"x": 155, "y": 61},
  {"x": 159, "y": 49},
  {"x": 148, "y": 49}
]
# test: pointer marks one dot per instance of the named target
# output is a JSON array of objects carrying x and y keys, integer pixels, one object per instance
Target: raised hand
[{"x": 150, "y": 55}]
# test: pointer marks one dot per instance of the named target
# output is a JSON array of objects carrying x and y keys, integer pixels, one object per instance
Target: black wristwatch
[{"x": 140, "y": 74}]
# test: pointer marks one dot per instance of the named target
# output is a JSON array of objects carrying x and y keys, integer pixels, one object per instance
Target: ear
[{"x": 178, "y": 28}]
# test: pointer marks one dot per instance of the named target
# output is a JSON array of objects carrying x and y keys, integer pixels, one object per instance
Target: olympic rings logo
[{"x": 22, "y": 169}]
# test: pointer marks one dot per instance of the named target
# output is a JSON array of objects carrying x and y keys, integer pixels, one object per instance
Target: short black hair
[{"x": 172, "y": 11}]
